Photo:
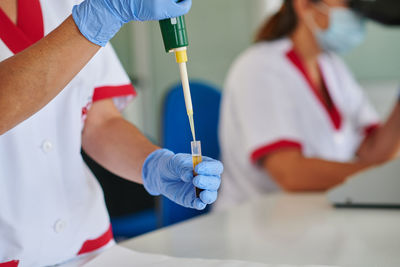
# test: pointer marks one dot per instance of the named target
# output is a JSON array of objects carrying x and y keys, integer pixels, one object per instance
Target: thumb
[
  {"x": 186, "y": 175},
  {"x": 183, "y": 167},
  {"x": 180, "y": 7}
]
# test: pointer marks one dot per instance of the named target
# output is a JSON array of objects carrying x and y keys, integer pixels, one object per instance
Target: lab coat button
[
  {"x": 59, "y": 226},
  {"x": 47, "y": 146}
]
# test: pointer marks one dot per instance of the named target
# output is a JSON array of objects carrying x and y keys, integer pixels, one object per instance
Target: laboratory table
[{"x": 284, "y": 229}]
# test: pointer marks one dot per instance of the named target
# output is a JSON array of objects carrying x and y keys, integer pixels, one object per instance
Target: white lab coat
[
  {"x": 51, "y": 206},
  {"x": 269, "y": 104}
]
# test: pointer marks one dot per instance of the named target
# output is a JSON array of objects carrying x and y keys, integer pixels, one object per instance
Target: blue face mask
[{"x": 346, "y": 31}]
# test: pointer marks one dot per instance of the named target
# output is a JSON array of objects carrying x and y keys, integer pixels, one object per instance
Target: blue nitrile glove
[
  {"x": 100, "y": 20},
  {"x": 171, "y": 175}
]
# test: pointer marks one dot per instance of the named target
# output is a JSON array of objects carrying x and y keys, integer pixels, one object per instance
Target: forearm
[
  {"x": 317, "y": 175},
  {"x": 32, "y": 78},
  {"x": 118, "y": 146},
  {"x": 310, "y": 174},
  {"x": 384, "y": 144}
]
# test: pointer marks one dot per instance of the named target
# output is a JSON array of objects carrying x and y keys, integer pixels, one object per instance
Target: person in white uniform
[
  {"x": 64, "y": 52},
  {"x": 52, "y": 208},
  {"x": 293, "y": 117}
]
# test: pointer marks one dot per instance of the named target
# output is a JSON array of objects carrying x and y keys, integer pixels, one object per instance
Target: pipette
[
  {"x": 181, "y": 56},
  {"x": 175, "y": 41}
]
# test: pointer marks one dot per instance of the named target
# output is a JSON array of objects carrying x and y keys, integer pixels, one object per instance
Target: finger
[
  {"x": 210, "y": 167},
  {"x": 184, "y": 4},
  {"x": 183, "y": 165},
  {"x": 211, "y": 183},
  {"x": 181, "y": 7},
  {"x": 198, "y": 204},
  {"x": 186, "y": 175},
  {"x": 208, "y": 197}
]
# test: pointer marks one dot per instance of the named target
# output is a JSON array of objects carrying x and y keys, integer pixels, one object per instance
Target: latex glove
[
  {"x": 100, "y": 20},
  {"x": 171, "y": 175}
]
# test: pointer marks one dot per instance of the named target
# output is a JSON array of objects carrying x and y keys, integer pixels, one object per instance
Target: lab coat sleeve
[
  {"x": 364, "y": 115},
  {"x": 112, "y": 80},
  {"x": 264, "y": 110}
]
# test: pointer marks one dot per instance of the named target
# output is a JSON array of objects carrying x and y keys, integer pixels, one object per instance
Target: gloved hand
[
  {"x": 100, "y": 20},
  {"x": 171, "y": 175}
]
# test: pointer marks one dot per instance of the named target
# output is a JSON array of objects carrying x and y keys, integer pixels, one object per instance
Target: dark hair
[{"x": 280, "y": 25}]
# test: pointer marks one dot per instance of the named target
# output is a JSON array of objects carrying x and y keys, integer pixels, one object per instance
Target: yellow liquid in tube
[{"x": 197, "y": 159}]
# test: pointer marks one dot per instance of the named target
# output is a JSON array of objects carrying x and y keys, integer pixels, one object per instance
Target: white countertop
[{"x": 284, "y": 229}]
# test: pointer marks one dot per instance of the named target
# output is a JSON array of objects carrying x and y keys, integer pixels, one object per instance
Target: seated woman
[{"x": 293, "y": 117}]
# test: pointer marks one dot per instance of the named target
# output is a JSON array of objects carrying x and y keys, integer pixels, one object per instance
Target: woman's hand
[
  {"x": 171, "y": 175},
  {"x": 100, "y": 20},
  {"x": 384, "y": 144}
]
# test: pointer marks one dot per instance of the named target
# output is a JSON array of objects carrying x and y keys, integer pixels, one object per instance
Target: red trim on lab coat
[
  {"x": 106, "y": 92},
  {"x": 268, "y": 149},
  {"x": 30, "y": 19},
  {"x": 9, "y": 264},
  {"x": 94, "y": 244},
  {"x": 29, "y": 28},
  {"x": 371, "y": 129},
  {"x": 333, "y": 112}
]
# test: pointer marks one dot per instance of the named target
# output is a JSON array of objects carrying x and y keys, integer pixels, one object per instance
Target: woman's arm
[
  {"x": 114, "y": 142},
  {"x": 384, "y": 143},
  {"x": 295, "y": 173},
  {"x": 32, "y": 78}
]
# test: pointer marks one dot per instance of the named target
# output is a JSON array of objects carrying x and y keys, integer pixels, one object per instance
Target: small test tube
[{"x": 196, "y": 155}]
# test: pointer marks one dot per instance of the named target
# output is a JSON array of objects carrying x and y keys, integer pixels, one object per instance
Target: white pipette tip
[{"x": 191, "y": 122}]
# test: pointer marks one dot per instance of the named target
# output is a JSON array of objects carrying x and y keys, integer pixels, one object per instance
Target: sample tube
[{"x": 196, "y": 155}]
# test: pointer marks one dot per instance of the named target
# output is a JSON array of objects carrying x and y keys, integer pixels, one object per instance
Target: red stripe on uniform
[
  {"x": 94, "y": 244},
  {"x": 11, "y": 35},
  {"x": 30, "y": 19},
  {"x": 268, "y": 149},
  {"x": 29, "y": 28},
  {"x": 371, "y": 129},
  {"x": 105, "y": 92},
  {"x": 333, "y": 112},
  {"x": 9, "y": 264}
]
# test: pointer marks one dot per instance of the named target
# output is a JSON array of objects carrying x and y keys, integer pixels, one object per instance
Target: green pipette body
[{"x": 174, "y": 33}]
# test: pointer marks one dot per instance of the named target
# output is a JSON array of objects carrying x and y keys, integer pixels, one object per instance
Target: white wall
[{"x": 378, "y": 58}]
